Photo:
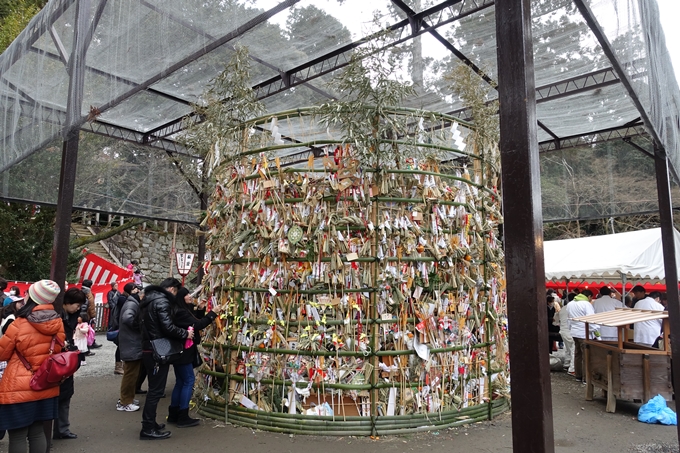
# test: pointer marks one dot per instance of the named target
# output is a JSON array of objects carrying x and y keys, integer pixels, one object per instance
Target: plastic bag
[
  {"x": 556, "y": 363},
  {"x": 656, "y": 411}
]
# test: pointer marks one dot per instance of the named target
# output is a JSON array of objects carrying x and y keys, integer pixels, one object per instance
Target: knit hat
[
  {"x": 129, "y": 287},
  {"x": 44, "y": 291}
]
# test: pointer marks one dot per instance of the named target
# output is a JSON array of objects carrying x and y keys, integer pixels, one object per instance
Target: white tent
[{"x": 636, "y": 255}]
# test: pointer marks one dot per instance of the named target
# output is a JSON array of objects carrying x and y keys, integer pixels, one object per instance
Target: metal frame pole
[
  {"x": 532, "y": 421},
  {"x": 663, "y": 186},
  {"x": 69, "y": 155}
]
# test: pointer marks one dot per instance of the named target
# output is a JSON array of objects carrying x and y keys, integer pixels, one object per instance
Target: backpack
[
  {"x": 83, "y": 307},
  {"x": 91, "y": 336},
  {"x": 114, "y": 323}
]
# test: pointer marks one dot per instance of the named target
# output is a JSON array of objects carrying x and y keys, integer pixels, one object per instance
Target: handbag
[
  {"x": 55, "y": 369},
  {"x": 112, "y": 335},
  {"x": 166, "y": 350},
  {"x": 198, "y": 359}
]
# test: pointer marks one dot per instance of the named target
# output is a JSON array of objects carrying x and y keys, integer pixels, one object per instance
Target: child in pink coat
[{"x": 80, "y": 335}]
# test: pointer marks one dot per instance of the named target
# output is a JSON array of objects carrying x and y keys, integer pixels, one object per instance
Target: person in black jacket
[
  {"x": 115, "y": 306},
  {"x": 157, "y": 311},
  {"x": 130, "y": 346},
  {"x": 187, "y": 317},
  {"x": 73, "y": 299}
]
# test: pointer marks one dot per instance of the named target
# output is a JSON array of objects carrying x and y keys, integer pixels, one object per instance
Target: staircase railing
[{"x": 94, "y": 222}]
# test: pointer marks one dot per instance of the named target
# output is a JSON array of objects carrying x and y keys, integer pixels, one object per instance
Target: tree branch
[{"x": 82, "y": 241}]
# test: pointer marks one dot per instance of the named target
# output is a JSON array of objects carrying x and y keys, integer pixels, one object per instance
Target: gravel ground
[
  {"x": 102, "y": 362},
  {"x": 580, "y": 426},
  {"x": 655, "y": 448}
]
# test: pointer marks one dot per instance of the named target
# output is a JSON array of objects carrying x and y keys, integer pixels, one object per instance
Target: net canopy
[{"x": 602, "y": 73}]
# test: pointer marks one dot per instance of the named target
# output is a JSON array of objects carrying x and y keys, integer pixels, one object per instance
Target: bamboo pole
[
  {"x": 353, "y": 353},
  {"x": 374, "y": 395},
  {"x": 313, "y": 425}
]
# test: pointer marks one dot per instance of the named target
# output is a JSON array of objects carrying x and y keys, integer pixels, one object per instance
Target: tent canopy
[{"x": 637, "y": 255}]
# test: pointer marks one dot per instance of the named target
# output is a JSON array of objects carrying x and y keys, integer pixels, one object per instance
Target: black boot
[
  {"x": 173, "y": 413},
  {"x": 153, "y": 434},
  {"x": 184, "y": 421}
]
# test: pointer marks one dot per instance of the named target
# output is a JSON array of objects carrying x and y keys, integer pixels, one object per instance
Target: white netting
[{"x": 148, "y": 61}]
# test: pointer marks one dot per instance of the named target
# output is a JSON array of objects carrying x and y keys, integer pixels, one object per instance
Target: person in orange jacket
[{"x": 22, "y": 409}]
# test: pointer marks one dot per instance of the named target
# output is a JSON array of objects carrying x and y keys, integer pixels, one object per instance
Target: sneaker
[
  {"x": 95, "y": 346},
  {"x": 128, "y": 408},
  {"x": 154, "y": 434},
  {"x": 83, "y": 362},
  {"x": 135, "y": 401},
  {"x": 90, "y": 353}
]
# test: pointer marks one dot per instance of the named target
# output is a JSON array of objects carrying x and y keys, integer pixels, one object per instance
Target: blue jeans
[{"x": 184, "y": 385}]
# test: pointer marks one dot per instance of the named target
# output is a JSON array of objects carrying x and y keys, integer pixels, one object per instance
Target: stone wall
[{"x": 151, "y": 247}]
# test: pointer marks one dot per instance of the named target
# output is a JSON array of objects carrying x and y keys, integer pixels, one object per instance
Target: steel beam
[
  {"x": 606, "y": 216},
  {"x": 296, "y": 76},
  {"x": 575, "y": 85},
  {"x": 638, "y": 147},
  {"x": 547, "y": 130},
  {"x": 178, "y": 124},
  {"x": 101, "y": 211},
  {"x": 579, "y": 84},
  {"x": 614, "y": 133},
  {"x": 113, "y": 78},
  {"x": 55, "y": 116},
  {"x": 98, "y": 13},
  {"x": 257, "y": 20},
  {"x": 341, "y": 57},
  {"x": 594, "y": 26},
  {"x": 663, "y": 185},
  {"x": 129, "y": 135},
  {"x": 419, "y": 23},
  {"x": 63, "y": 54},
  {"x": 69, "y": 156},
  {"x": 532, "y": 420},
  {"x": 633, "y": 129}
]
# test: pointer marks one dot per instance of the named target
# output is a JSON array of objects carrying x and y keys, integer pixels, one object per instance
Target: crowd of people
[
  {"x": 562, "y": 309},
  {"x": 30, "y": 325}
]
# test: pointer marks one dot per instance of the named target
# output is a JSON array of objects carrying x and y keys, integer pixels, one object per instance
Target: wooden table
[{"x": 624, "y": 369}]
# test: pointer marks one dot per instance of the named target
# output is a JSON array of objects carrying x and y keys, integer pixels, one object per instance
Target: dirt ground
[{"x": 580, "y": 426}]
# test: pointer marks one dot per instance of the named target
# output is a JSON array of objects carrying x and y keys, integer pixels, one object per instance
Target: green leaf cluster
[
  {"x": 26, "y": 242},
  {"x": 14, "y": 16},
  {"x": 226, "y": 104},
  {"x": 369, "y": 89}
]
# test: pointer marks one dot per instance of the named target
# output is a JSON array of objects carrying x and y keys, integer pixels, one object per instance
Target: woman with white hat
[{"x": 22, "y": 409}]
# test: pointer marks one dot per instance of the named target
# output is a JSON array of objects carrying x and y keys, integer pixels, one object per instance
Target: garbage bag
[
  {"x": 656, "y": 411},
  {"x": 555, "y": 363}
]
